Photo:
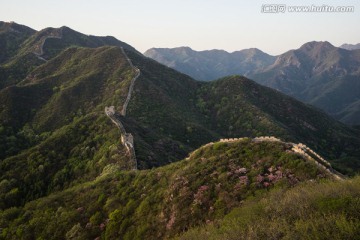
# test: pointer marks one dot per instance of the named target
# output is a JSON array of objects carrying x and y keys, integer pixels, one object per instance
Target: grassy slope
[
  {"x": 163, "y": 202},
  {"x": 327, "y": 210}
]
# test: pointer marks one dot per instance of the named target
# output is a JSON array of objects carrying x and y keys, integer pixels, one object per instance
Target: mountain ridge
[
  {"x": 350, "y": 46},
  {"x": 317, "y": 73}
]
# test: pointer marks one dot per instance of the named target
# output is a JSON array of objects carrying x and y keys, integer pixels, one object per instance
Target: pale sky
[{"x": 200, "y": 24}]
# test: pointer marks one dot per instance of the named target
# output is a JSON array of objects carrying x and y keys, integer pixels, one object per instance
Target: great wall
[
  {"x": 126, "y": 138},
  {"x": 131, "y": 87},
  {"x": 39, "y": 49},
  {"x": 128, "y": 141},
  {"x": 297, "y": 148}
]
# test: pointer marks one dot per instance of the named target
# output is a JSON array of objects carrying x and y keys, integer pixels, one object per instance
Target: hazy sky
[{"x": 200, "y": 24}]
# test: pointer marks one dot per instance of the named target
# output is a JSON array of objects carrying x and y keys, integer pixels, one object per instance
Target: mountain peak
[
  {"x": 186, "y": 48},
  {"x": 251, "y": 52},
  {"x": 254, "y": 50},
  {"x": 66, "y": 29},
  {"x": 314, "y": 45},
  {"x": 183, "y": 50}
]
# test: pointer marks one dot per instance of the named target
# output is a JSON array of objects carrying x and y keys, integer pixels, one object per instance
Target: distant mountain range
[
  {"x": 350, "y": 46},
  {"x": 64, "y": 173},
  {"x": 317, "y": 73},
  {"x": 212, "y": 64}
]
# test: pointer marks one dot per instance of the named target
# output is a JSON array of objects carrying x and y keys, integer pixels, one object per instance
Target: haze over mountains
[
  {"x": 317, "y": 73},
  {"x": 350, "y": 46},
  {"x": 212, "y": 64},
  {"x": 65, "y": 173}
]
